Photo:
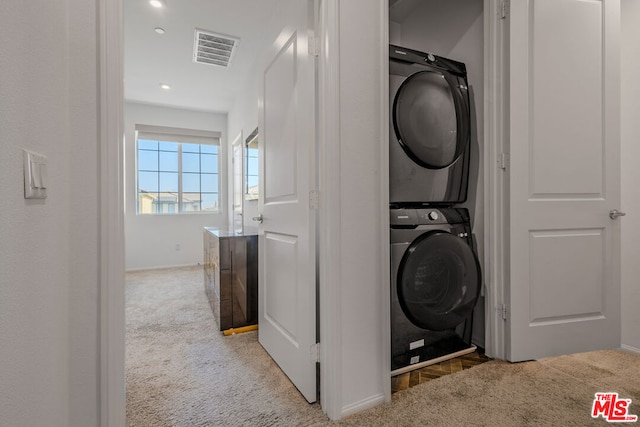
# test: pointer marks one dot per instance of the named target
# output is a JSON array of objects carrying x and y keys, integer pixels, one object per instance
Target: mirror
[{"x": 251, "y": 170}]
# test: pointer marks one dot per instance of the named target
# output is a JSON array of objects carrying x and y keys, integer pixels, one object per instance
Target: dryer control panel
[{"x": 426, "y": 216}]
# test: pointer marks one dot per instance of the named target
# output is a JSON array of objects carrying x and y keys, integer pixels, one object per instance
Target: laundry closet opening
[{"x": 436, "y": 100}]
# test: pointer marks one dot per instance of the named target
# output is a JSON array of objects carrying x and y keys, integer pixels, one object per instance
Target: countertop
[{"x": 228, "y": 232}]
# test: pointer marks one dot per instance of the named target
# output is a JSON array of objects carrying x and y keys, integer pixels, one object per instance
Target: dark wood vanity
[{"x": 231, "y": 276}]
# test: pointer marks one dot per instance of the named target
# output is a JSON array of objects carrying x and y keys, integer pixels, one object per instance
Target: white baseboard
[
  {"x": 630, "y": 349},
  {"x": 363, "y": 404}
]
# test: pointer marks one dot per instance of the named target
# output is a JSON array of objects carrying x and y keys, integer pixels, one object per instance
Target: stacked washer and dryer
[{"x": 435, "y": 273}]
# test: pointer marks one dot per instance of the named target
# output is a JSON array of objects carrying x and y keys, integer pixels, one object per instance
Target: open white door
[
  {"x": 287, "y": 270},
  {"x": 564, "y": 177}
]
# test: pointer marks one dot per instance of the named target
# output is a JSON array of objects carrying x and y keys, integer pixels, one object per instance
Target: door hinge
[
  {"x": 504, "y": 9},
  {"x": 314, "y": 45},
  {"x": 315, "y": 353},
  {"x": 504, "y": 311},
  {"x": 503, "y": 160},
  {"x": 314, "y": 199}
]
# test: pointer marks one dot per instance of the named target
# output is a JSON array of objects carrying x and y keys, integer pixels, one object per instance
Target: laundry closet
[{"x": 428, "y": 192}]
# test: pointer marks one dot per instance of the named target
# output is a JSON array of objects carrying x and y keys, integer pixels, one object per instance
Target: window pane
[
  {"x": 147, "y": 203},
  {"x": 190, "y": 202},
  {"x": 190, "y": 162},
  {"x": 191, "y": 182},
  {"x": 147, "y": 182},
  {"x": 146, "y": 144},
  {"x": 209, "y": 183},
  {"x": 168, "y": 146},
  {"x": 168, "y": 161},
  {"x": 252, "y": 166},
  {"x": 209, "y": 149},
  {"x": 147, "y": 160},
  {"x": 209, "y": 163},
  {"x": 168, "y": 182},
  {"x": 210, "y": 202},
  {"x": 252, "y": 181},
  {"x": 190, "y": 148},
  {"x": 167, "y": 203}
]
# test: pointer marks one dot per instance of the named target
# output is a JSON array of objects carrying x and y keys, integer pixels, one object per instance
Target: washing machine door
[
  {"x": 431, "y": 118},
  {"x": 438, "y": 281}
]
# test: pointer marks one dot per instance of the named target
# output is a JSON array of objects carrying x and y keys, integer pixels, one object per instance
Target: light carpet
[{"x": 181, "y": 371}]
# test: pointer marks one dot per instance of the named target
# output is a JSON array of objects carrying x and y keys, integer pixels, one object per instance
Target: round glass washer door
[
  {"x": 431, "y": 118},
  {"x": 438, "y": 281}
]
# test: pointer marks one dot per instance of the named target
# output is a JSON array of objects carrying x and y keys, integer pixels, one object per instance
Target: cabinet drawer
[{"x": 225, "y": 254}]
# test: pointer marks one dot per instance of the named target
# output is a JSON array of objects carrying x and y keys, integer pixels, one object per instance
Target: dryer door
[
  {"x": 438, "y": 281},
  {"x": 431, "y": 118}
]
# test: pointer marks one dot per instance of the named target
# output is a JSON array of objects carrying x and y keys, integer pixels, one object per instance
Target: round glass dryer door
[
  {"x": 438, "y": 281},
  {"x": 431, "y": 118}
]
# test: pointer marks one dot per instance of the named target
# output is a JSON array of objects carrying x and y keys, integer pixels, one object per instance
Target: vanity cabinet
[{"x": 231, "y": 276}]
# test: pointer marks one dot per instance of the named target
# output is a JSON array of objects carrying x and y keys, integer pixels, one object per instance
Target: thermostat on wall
[{"x": 35, "y": 175}]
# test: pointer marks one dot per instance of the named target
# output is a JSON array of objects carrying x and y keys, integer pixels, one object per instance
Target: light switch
[{"x": 35, "y": 175}]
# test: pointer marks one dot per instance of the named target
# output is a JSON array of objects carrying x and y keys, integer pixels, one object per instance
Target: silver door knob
[
  {"x": 258, "y": 218},
  {"x": 614, "y": 213}
]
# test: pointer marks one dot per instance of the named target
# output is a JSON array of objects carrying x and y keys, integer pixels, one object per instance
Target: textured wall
[{"x": 48, "y": 248}]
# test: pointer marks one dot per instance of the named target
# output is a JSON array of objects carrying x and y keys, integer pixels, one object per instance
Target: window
[
  {"x": 251, "y": 170},
  {"x": 178, "y": 170}
]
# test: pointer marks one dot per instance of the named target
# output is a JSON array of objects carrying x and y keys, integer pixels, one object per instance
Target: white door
[
  {"x": 237, "y": 148},
  {"x": 287, "y": 279},
  {"x": 564, "y": 177}
]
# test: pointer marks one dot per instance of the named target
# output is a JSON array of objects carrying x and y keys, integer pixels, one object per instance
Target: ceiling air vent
[{"x": 214, "y": 49}]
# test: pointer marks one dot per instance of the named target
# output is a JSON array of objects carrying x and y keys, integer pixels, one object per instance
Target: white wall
[
  {"x": 362, "y": 287},
  {"x": 49, "y": 248},
  {"x": 243, "y": 117},
  {"x": 150, "y": 240},
  {"x": 454, "y": 30},
  {"x": 630, "y": 50}
]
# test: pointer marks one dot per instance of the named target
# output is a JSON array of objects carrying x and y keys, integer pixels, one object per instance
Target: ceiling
[{"x": 151, "y": 59}]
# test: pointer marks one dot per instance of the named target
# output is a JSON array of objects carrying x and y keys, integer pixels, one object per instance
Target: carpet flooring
[{"x": 181, "y": 371}]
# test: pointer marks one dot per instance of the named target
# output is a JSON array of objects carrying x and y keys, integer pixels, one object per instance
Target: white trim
[
  {"x": 385, "y": 267},
  {"x": 495, "y": 179},
  {"x": 363, "y": 404},
  {"x": 112, "y": 381},
  {"x": 330, "y": 286},
  {"x": 630, "y": 349}
]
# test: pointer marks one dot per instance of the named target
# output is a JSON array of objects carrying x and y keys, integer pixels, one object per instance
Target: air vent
[{"x": 214, "y": 49}]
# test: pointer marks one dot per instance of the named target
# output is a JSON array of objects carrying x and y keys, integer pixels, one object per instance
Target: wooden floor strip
[{"x": 428, "y": 373}]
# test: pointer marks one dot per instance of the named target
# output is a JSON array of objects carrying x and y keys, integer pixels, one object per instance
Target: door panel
[
  {"x": 287, "y": 279},
  {"x": 280, "y": 116},
  {"x": 564, "y": 293}
]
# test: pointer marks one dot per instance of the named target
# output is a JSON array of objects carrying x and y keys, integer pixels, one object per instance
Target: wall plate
[{"x": 35, "y": 175}]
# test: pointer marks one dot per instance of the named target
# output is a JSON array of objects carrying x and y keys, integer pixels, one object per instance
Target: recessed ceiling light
[
  {"x": 159, "y": 30},
  {"x": 165, "y": 86},
  {"x": 157, "y": 3}
]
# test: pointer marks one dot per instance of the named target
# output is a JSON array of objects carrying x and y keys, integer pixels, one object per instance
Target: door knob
[
  {"x": 614, "y": 213},
  {"x": 258, "y": 218}
]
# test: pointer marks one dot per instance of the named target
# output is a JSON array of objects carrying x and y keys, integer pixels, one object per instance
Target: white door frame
[
  {"x": 111, "y": 246},
  {"x": 496, "y": 156}
]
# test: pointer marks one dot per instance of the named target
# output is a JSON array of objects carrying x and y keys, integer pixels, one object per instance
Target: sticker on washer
[
  {"x": 416, "y": 344},
  {"x": 414, "y": 360}
]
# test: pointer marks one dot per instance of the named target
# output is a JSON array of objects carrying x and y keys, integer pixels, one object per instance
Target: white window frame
[{"x": 179, "y": 136}]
